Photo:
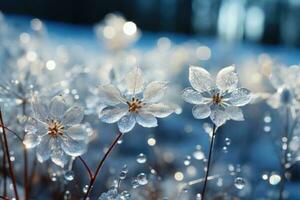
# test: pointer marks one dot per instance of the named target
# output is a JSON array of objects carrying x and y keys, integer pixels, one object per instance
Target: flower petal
[
  {"x": 57, "y": 106},
  {"x": 73, "y": 147},
  {"x": 40, "y": 110},
  {"x": 134, "y": 81},
  {"x": 227, "y": 79},
  {"x": 218, "y": 117},
  {"x": 155, "y": 91},
  {"x": 73, "y": 116},
  {"x": 59, "y": 157},
  {"x": 31, "y": 140},
  {"x": 158, "y": 110},
  {"x": 146, "y": 120},
  {"x": 43, "y": 151},
  {"x": 274, "y": 100},
  {"x": 110, "y": 95},
  {"x": 191, "y": 96},
  {"x": 112, "y": 115},
  {"x": 235, "y": 113},
  {"x": 201, "y": 111},
  {"x": 240, "y": 97},
  {"x": 126, "y": 123},
  {"x": 200, "y": 79},
  {"x": 77, "y": 133}
]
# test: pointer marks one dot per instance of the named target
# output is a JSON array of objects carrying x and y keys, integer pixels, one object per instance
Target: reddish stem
[
  {"x": 86, "y": 167},
  {"x": 93, "y": 179}
]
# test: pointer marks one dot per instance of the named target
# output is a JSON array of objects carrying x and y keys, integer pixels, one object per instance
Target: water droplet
[
  {"x": 227, "y": 141},
  {"x": 187, "y": 161},
  {"x": 120, "y": 141},
  {"x": 141, "y": 158},
  {"x": 239, "y": 183},
  {"x": 267, "y": 118},
  {"x": 135, "y": 183},
  {"x": 142, "y": 179},
  {"x": 85, "y": 189},
  {"x": 198, "y": 155},
  {"x": 53, "y": 177},
  {"x": 274, "y": 179},
  {"x": 198, "y": 196},
  {"x": 69, "y": 175},
  {"x": 122, "y": 175},
  {"x": 67, "y": 195},
  {"x": 225, "y": 149}
]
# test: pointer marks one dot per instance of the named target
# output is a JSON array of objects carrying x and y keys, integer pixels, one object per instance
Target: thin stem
[
  {"x": 209, "y": 161},
  {"x": 32, "y": 174},
  {"x": 86, "y": 167},
  {"x": 25, "y": 154},
  {"x": 4, "y": 167},
  {"x": 285, "y": 157},
  {"x": 11, "y": 169},
  {"x": 93, "y": 179}
]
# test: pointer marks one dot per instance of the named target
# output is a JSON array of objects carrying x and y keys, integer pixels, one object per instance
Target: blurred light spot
[
  {"x": 129, "y": 28},
  {"x": 203, "y": 53},
  {"x": 151, "y": 141},
  {"x": 274, "y": 179},
  {"x": 168, "y": 157},
  {"x": 24, "y": 38},
  {"x": 191, "y": 171},
  {"x": 36, "y": 24},
  {"x": 265, "y": 176},
  {"x": 254, "y": 26},
  {"x": 51, "y": 65},
  {"x": 178, "y": 176},
  {"x": 31, "y": 56},
  {"x": 109, "y": 32},
  {"x": 164, "y": 43}
]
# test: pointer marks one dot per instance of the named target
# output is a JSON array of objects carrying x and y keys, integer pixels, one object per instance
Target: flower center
[
  {"x": 134, "y": 105},
  {"x": 217, "y": 99},
  {"x": 55, "y": 128}
]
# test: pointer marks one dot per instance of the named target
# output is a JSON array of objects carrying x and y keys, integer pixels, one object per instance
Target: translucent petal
[
  {"x": 227, "y": 79},
  {"x": 200, "y": 79},
  {"x": 201, "y": 111},
  {"x": 43, "y": 151},
  {"x": 31, "y": 140},
  {"x": 134, "y": 81},
  {"x": 240, "y": 97},
  {"x": 73, "y": 116},
  {"x": 218, "y": 117},
  {"x": 77, "y": 133},
  {"x": 155, "y": 91},
  {"x": 146, "y": 120},
  {"x": 126, "y": 123},
  {"x": 110, "y": 95},
  {"x": 235, "y": 113},
  {"x": 40, "y": 110},
  {"x": 59, "y": 157},
  {"x": 57, "y": 106},
  {"x": 191, "y": 96},
  {"x": 73, "y": 147},
  {"x": 112, "y": 115},
  {"x": 158, "y": 110}
]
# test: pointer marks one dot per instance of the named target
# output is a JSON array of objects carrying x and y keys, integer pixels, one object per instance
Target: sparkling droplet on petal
[
  {"x": 142, "y": 179},
  {"x": 69, "y": 175},
  {"x": 141, "y": 158},
  {"x": 239, "y": 183}
]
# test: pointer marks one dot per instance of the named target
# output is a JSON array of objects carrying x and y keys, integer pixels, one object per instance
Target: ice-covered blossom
[
  {"x": 138, "y": 104},
  {"x": 218, "y": 99},
  {"x": 56, "y": 131}
]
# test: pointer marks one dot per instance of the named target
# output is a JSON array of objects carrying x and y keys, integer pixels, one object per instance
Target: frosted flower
[
  {"x": 220, "y": 99},
  {"x": 56, "y": 131},
  {"x": 138, "y": 104}
]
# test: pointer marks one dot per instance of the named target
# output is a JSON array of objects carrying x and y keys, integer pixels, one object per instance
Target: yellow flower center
[
  {"x": 217, "y": 99},
  {"x": 55, "y": 128},
  {"x": 134, "y": 105}
]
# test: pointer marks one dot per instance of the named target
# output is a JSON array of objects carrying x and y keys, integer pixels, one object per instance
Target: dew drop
[
  {"x": 67, "y": 195},
  {"x": 274, "y": 179},
  {"x": 53, "y": 177},
  {"x": 120, "y": 141},
  {"x": 198, "y": 196},
  {"x": 141, "y": 158},
  {"x": 135, "y": 183},
  {"x": 69, "y": 175},
  {"x": 225, "y": 149},
  {"x": 227, "y": 141},
  {"x": 142, "y": 179},
  {"x": 85, "y": 189},
  {"x": 187, "y": 161},
  {"x": 239, "y": 183}
]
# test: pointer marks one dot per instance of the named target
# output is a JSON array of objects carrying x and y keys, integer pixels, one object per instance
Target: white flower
[
  {"x": 220, "y": 99},
  {"x": 56, "y": 131},
  {"x": 138, "y": 104}
]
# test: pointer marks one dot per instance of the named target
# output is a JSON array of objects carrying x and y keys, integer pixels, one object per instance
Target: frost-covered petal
[
  {"x": 240, "y": 97},
  {"x": 158, "y": 110},
  {"x": 191, "y": 96},
  {"x": 77, "y": 132},
  {"x": 126, "y": 123},
  {"x": 73, "y": 116},
  {"x": 112, "y": 115},
  {"x": 155, "y": 91},
  {"x": 146, "y": 120},
  {"x": 235, "y": 113},
  {"x": 31, "y": 140},
  {"x": 57, "y": 106},
  {"x": 40, "y": 109},
  {"x": 43, "y": 151},
  {"x": 73, "y": 147},
  {"x": 134, "y": 81},
  {"x": 227, "y": 79},
  {"x": 59, "y": 157},
  {"x": 201, "y": 111},
  {"x": 110, "y": 95},
  {"x": 218, "y": 117},
  {"x": 200, "y": 79}
]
